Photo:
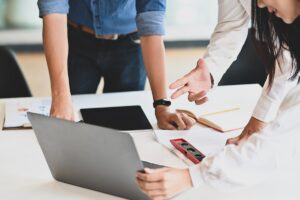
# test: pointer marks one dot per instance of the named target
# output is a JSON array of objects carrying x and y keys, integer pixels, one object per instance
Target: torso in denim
[{"x": 110, "y": 16}]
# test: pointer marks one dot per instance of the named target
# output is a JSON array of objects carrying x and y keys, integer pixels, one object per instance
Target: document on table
[
  {"x": 206, "y": 140},
  {"x": 2, "y": 114},
  {"x": 16, "y": 112}
]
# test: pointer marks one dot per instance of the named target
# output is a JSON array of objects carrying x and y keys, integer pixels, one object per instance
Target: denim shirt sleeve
[
  {"x": 53, "y": 6},
  {"x": 150, "y": 17}
]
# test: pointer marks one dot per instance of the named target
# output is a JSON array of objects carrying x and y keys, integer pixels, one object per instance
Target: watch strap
[{"x": 163, "y": 102}]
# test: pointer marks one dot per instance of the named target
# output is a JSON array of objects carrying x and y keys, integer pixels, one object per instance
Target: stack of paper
[
  {"x": 16, "y": 112},
  {"x": 206, "y": 140},
  {"x": 2, "y": 114}
]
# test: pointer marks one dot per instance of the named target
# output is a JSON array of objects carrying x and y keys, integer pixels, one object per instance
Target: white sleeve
[
  {"x": 271, "y": 97},
  {"x": 259, "y": 157},
  {"x": 229, "y": 36}
]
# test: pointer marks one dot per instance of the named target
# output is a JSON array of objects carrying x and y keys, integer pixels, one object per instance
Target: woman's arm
[
  {"x": 240, "y": 166},
  {"x": 228, "y": 37},
  {"x": 225, "y": 44},
  {"x": 271, "y": 98},
  {"x": 258, "y": 157}
]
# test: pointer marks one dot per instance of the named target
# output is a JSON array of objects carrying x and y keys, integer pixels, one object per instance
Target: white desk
[{"x": 24, "y": 173}]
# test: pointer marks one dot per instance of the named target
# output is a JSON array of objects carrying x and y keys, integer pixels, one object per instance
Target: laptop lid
[{"x": 89, "y": 156}]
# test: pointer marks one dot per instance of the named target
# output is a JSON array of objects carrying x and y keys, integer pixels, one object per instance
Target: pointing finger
[
  {"x": 179, "y": 83},
  {"x": 180, "y": 92}
]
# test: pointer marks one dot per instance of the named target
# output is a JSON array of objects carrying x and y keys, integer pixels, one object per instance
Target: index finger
[
  {"x": 179, "y": 83},
  {"x": 180, "y": 92}
]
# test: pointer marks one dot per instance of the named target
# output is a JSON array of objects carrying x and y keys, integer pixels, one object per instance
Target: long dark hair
[{"x": 272, "y": 36}]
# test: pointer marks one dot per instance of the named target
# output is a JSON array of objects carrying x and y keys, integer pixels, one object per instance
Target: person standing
[{"x": 89, "y": 39}]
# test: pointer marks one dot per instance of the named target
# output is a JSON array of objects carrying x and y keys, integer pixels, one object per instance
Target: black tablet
[{"x": 120, "y": 118}]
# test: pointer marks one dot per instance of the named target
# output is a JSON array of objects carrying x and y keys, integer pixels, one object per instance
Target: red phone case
[{"x": 195, "y": 156}]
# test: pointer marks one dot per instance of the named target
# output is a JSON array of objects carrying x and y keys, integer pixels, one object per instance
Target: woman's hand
[
  {"x": 164, "y": 183},
  {"x": 253, "y": 126},
  {"x": 196, "y": 83}
]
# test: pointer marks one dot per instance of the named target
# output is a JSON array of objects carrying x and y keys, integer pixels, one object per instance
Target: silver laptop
[{"x": 90, "y": 156}]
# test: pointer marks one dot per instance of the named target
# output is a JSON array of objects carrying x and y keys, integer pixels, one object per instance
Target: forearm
[
  {"x": 228, "y": 38},
  {"x": 272, "y": 96},
  {"x": 261, "y": 155},
  {"x": 56, "y": 51},
  {"x": 154, "y": 59}
]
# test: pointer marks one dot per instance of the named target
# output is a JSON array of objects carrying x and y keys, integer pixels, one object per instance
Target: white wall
[
  {"x": 191, "y": 19},
  {"x": 185, "y": 20}
]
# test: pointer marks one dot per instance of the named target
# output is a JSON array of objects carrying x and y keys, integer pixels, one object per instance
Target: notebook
[
  {"x": 229, "y": 107},
  {"x": 125, "y": 118}
]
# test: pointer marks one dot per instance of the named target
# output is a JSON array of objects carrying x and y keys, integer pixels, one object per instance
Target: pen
[{"x": 219, "y": 112}]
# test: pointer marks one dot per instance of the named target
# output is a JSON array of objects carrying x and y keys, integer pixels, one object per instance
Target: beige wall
[{"x": 179, "y": 61}]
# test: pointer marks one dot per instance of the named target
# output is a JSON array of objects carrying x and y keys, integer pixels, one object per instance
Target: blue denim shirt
[{"x": 111, "y": 16}]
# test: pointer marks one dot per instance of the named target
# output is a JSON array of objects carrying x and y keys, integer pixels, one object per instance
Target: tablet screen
[{"x": 123, "y": 118}]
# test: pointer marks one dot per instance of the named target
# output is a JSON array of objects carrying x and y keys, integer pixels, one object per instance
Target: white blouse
[
  {"x": 265, "y": 151},
  {"x": 226, "y": 42},
  {"x": 258, "y": 157}
]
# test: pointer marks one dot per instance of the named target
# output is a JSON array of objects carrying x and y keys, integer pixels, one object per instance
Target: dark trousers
[
  {"x": 119, "y": 62},
  {"x": 247, "y": 69}
]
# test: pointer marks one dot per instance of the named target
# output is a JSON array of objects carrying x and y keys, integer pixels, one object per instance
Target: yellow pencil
[{"x": 219, "y": 112}]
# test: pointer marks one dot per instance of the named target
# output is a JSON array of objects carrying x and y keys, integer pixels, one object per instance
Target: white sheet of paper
[
  {"x": 2, "y": 114},
  {"x": 16, "y": 111},
  {"x": 206, "y": 140}
]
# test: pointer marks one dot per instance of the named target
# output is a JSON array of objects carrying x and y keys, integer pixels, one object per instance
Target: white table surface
[{"x": 24, "y": 173}]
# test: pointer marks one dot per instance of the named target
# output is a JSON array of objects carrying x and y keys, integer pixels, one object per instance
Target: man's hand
[
  {"x": 164, "y": 183},
  {"x": 61, "y": 107},
  {"x": 253, "y": 126},
  {"x": 172, "y": 121},
  {"x": 197, "y": 82}
]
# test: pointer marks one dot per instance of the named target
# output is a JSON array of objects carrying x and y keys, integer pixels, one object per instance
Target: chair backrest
[{"x": 12, "y": 81}]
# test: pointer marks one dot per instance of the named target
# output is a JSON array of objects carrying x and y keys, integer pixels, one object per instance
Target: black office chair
[
  {"x": 12, "y": 81},
  {"x": 248, "y": 67}
]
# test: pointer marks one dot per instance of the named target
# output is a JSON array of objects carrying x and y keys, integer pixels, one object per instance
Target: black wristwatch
[{"x": 163, "y": 102}]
